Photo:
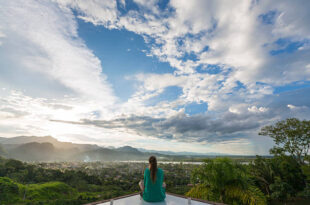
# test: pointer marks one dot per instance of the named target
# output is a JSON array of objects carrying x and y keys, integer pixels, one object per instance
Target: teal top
[{"x": 154, "y": 192}]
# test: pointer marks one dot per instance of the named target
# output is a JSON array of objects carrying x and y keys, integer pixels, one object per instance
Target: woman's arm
[
  {"x": 162, "y": 179},
  {"x": 141, "y": 185},
  {"x": 144, "y": 179}
]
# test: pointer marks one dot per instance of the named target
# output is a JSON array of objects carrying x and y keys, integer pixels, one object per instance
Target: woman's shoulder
[{"x": 160, "y": 169}]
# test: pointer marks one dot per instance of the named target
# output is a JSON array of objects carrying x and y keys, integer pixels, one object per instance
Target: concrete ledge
[{"x": 171, "y": 198}]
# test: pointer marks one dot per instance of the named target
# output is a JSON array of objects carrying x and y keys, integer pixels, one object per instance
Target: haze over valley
[{"x": 49, "y": 149}]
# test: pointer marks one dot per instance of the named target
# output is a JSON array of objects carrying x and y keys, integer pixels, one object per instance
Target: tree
[
  {"x": 291, "y": 136},
  {"x": 279, "y": 178},
  {"x": 263, "y": 172},
  {"x": 223, "y": 180}
]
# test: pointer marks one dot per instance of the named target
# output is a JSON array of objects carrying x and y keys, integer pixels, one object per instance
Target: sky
[{"x": 199, "y": 76}]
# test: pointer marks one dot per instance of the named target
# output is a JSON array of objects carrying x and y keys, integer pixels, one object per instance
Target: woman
[{"x": 153, "y": 186}]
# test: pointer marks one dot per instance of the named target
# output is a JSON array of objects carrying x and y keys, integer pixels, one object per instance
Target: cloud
[
  {"x": 240, "y": 46},
  {"x": 43, "y": 37},
  {"x": 21, "y": 114},
  {"x": 182, "y": 127},
  {"x": 256, "y": 109},
  {"x": 9, "y": 112},
  {"x": 240, "y": 122},
  {"x": 230, "y": 56},
  {"x": 293, "y": 107},
  {"x": 191, "y": 27},
  {"x": 47, "y": 71}
]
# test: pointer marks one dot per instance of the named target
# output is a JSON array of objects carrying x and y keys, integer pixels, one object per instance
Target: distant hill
[
  {"x": 105, "y": 154},
  {"x": 27, "y": 139},
  {"x": 2, "y": 151},
  {"x": 47, "y": 148},
  {"x": 128, "y": 149},
  {"x": 2, "y": 138},
  {"x": 32, "y": 148},
  {"x": 57, "y": 144},
  {"x": 33, "y": 151}
]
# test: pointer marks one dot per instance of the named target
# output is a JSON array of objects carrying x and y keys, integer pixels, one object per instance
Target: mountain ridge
[
  {"x": 47, "y": 148},
  {"x": 60, "y": 144}
]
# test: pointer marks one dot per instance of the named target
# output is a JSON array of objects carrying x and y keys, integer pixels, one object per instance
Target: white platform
[{"x": 137, "y": 200}]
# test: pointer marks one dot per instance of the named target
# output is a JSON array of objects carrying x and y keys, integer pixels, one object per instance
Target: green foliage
[
  {"x": 226, "y": 181},
  {"x": 263, "y": 172},
  {"x": 280, "y": 189},
  {"x": 50, "y": 191},
  {"x": 45, "y": 193},
  {"x": 30, "y": 184},
  {"x": 307, "y": 159},
  {"x": 285, "y": 177},
  {"x": 182, "y": 190},
  {"x": 306, "y": 192},
  {"x": 291, "y": 136},
  {"x": 289, "y": 171},
  {"x": 201, "y": 191},
  {"x": 279, "y": 178},
  {"x": 306, "y": 171},
  {"x": 252, "y": 195},
  {"x": 9, "y": 191}
]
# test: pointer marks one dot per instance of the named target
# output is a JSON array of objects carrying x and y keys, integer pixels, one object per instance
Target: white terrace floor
[{"x": 137, "y": 200}]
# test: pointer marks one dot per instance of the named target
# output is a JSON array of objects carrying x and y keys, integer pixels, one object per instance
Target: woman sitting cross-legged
[{"x": 153, "y": 186}]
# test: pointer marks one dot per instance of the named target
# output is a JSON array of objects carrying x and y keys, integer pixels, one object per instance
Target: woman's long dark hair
[{"x": 153, "y": 168}]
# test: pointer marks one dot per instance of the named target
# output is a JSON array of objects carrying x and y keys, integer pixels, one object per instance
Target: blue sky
[
  {"x": 200, "y": 76},
  {"x": 122, "y": 54}
]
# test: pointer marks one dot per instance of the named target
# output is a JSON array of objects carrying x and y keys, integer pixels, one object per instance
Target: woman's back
[{"x": 153, "y": 191}]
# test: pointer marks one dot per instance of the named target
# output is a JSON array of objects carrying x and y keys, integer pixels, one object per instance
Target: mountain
[
  {"x": 126, "y": 153},
  {"x": 2, "y": 151},
  {"x": 33, "y": 151},
  {"x": 12, "y": 142},
  {"x": 32, "y": 148},
  {"x": 47, "y": 148},
  {"x": 128, "y": 149},
  {"x": 2, "y": 138},
  {"x": 27, "y": 139},
  {"x": 105, "y": 154}
]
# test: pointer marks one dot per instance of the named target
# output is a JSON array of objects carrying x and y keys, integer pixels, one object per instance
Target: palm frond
[{"x": 251, "y": 196}]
